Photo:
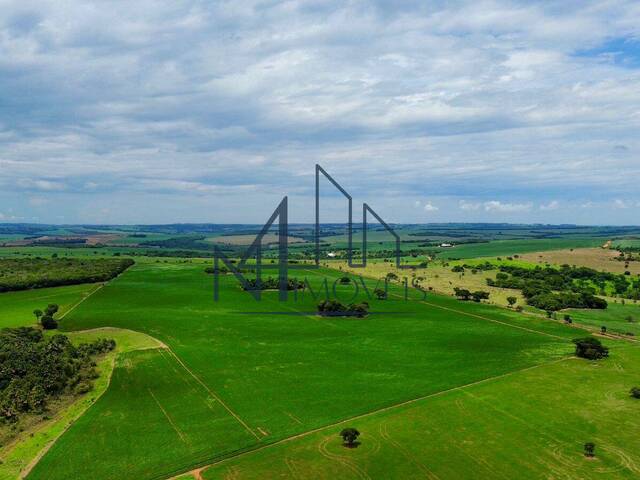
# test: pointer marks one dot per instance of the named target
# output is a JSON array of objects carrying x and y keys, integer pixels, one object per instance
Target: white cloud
[
  {"x": 622, "y": 204},
  {"x": 497, "y": 206},
  {"x": 553, "y": 205},
  {"x": 38, "y": 184},
  {"x": 472, "y": 99},
  {"x": 469, "y": 206},
  {"x": 428, "y": 207}
]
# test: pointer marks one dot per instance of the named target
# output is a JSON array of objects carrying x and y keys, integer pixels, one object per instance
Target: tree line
[{"x": 28, "y": 273}]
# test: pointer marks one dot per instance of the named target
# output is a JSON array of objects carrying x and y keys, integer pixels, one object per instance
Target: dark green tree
[
  {"x": 349, "y": 436},
  {"x": 589, "y": 449},
  {"x": 48, "y": 322}
]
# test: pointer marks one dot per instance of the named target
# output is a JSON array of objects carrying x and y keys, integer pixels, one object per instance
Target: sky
[{"x": 190, "y": 111}]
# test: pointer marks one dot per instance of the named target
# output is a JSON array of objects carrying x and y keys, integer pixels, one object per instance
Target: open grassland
[
  {"x": 530, "y": 424},
  {"x": 240, "y": 380},
  {"x": 596, "y": 258},
  {"x": 16, "y": 308}
]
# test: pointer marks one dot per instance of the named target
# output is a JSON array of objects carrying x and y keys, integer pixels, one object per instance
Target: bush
[{"x": 590, "y": 348}]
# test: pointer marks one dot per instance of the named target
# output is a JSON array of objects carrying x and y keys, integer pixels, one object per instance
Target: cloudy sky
[{"x": 188, "y": 111}]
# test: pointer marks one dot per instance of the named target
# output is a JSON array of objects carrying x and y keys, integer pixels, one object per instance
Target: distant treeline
[
  {"x": 27, "y": 273},
  {"x": 186, "y": 242},
  {"x": 33, "y": 369}
]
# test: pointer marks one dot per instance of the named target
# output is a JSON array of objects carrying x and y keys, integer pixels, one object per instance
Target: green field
[
  {"x": 280, "y": 375},
  {"x": 17, "y": 307},
  {"x": 512, "y": 247},
  {"x": 615, "y": 318},
  {"x": 531, "y": 424}
]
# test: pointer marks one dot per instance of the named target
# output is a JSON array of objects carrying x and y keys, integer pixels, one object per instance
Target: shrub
[{"x": 380, "y": 294}]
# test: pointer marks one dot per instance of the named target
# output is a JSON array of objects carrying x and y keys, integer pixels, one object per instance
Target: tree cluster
[
  {"x": 334, "y": 308},
  {"x": 590, "y": 348},
  {"x": 553, "y": 289},
  {"x": 34, "y": 368},
  {"x": 271, "y": 283},
  {"x": 464, "y": 294}
]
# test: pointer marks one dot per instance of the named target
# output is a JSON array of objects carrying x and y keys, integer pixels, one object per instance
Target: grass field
[
  {"x": 531, "y": 424},
  {"x": 277, "y": 374},
  {"x": 17, "y": 307},
  {"x": 615, "y": 318}
]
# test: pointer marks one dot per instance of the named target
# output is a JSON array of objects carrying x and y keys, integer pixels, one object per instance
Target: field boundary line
[
  {"x": 371, "y": 413},
  {"x": 173, "y": 425},
  {"x": 213, "y": 394},
  {"x": 488, "y": 319},
  {"x": 99, "y": 287}
]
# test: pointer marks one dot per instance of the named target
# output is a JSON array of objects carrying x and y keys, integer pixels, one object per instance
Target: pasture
[{"x": 240, "y": 374}]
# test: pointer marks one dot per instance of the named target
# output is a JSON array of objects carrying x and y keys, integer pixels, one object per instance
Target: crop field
[
  {"x": 512, "y": 247},
  {"x": 251, "y": 379},
  {"x": 16, "y": 308},
  {"x": 530, "y": 424}
]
